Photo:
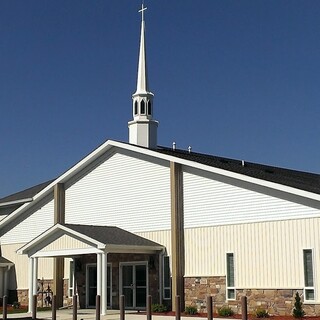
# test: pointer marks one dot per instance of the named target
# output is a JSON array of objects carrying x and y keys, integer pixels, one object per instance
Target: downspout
[{"x": 6, "y": 277}]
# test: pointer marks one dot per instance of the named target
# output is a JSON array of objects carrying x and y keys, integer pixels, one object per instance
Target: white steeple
[{"x": 143, "y": 129}]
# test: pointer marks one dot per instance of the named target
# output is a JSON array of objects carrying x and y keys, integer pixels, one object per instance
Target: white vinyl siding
[
  {"x": 31, "y": 227},
  {"x": 210, "y": 202},
  {"x": 269, "y": 254},
  {"x": 123, "y": 191}
]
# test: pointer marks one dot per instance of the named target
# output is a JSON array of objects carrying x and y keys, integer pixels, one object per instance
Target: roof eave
[{"x": 154, "y": 153}]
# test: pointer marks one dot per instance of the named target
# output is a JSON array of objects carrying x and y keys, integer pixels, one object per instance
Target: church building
[{"x": 137, "y": 219}]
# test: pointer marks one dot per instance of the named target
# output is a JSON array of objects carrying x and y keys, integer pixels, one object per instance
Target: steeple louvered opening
[{"x": 142, "y": 108}]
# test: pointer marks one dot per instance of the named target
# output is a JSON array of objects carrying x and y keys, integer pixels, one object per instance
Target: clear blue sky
[{"x": 238, "y": 79}]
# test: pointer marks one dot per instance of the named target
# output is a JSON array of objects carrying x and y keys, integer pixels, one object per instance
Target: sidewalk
[{"x": 89, "y": 314}]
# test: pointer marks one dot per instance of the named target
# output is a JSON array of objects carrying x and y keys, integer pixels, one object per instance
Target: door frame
[
  {"x": 88, "y": 265},
  {"x": 134, "y": 263}
]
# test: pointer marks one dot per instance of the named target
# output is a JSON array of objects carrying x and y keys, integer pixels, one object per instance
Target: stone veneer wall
[
  {"x": 23, "y": 298},
  {"x": 197, "y": 289},
  {"x": 275, "y": 301}
]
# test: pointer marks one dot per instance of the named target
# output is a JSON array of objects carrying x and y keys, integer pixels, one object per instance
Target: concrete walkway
[{"x": 87, "y": 314}]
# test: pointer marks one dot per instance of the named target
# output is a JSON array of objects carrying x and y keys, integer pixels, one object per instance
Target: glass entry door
[
  {"x": 134, "y": 285},
  {"x": 91, "y": 285}
]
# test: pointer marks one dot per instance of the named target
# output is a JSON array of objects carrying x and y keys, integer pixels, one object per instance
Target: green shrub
[
  {"x": 297, "y": 311},
  {"x": 191, "y": 310},
  {"x": 262, "y": 313},
  {"x": 158, "y": 308},
  {"x": 225, "y": 312},
  {"x": 16, "y": 305}
]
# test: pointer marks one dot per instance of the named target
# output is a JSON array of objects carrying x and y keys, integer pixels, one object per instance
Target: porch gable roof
[{"x": 95, "y": 238}]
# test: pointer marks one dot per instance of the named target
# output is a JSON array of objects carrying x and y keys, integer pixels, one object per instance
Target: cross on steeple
[{"x": 142, "y": 11}]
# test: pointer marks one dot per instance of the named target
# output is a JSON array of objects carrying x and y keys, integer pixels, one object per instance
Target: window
[
  {"x": 308, "y": 275},
  {"x": 231, "y": 291},
  {"x": 135, "y": 108},
  {"x": 71, "y": 279},
  {"x": 149, "y": 107},
  {"x": 143, "y": 107},
  {"x": 166, "y": 278}
]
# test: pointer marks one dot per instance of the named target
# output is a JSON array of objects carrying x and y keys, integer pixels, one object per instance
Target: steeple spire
[
  {"x": 143, "y": 129},
  {"x": 142, "y": 81}
]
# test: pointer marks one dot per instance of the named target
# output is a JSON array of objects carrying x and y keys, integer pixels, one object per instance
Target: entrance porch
[{"x": 107, "y": 261}]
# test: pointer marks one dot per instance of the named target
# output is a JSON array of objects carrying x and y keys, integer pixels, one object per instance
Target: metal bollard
[
  {"x": 98, "y": 307},
  {"x": 54, "y": 307},
  {"x": 74, "y": 307},
  {"x": 34, "y": 307},
  {"x": 209, "y": 307},
  {"x": 149, "y": 302},
  {"x": 122, "y": 312},
  {"x": 244, "y": 308},
  {"x": 178, "y": 308},
  {"x": 5, "y": 308}
]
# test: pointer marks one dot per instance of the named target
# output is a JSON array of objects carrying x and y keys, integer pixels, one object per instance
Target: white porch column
[
  {"x": 35, "y": 276},
  {"x": 104, "y": 296},
  {"x": 99, "y": 267},
  {"x": 30, "y": 284},
  {"x": 33, "y": 282}
]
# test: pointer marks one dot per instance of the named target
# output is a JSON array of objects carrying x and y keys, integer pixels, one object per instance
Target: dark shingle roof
[
  {"x": 296, "y": 179},
  {"x": 5, "y": 261},
  {"x": 25, "y": 194},
  {"x": 112, "y": 235},
  {"x": 9, "y": 209}
]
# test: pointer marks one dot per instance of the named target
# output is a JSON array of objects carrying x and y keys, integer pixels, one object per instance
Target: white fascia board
[
  {"x": 136, "y": 249},
  {"x": 230, "y": 174},
  {"x": 14, "y": 214},
  {"x": 9, "y": 203},
  {"x": 66, "y": 253}
]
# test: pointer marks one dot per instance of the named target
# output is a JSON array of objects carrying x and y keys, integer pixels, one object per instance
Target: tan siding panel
[
  {"x": 267, "y": 254},
  {"x": 161, "y": 237},
  {"x": 65, "y": 242},
  {"x": 123, "y": 191},
  {"x": 19, "y": 274}
]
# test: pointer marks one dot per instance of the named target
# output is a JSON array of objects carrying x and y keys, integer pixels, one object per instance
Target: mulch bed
[{"x": 236, "y": 316}]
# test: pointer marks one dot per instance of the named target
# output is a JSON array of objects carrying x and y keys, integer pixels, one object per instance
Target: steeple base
[{"x": 143, "y": 133}]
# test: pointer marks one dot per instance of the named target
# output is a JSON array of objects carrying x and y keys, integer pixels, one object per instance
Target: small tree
[{"x": 297, "y": 310}]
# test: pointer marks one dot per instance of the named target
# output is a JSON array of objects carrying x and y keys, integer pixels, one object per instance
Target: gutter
[{"x": 9, "y": 203}]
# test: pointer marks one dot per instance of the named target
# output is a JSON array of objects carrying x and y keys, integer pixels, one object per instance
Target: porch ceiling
[{"x": 74, "y": 239}]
